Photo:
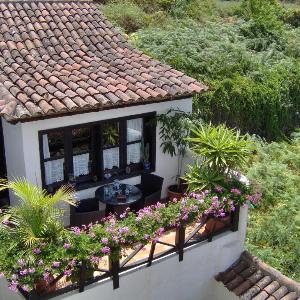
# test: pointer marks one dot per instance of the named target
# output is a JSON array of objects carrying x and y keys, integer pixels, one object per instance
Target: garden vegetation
[{"x": 248, "y": 53}]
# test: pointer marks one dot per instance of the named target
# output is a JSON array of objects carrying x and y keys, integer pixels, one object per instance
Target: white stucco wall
[
  {"x": 22, "y": 144},
  {"x": 169, "y": 279}
]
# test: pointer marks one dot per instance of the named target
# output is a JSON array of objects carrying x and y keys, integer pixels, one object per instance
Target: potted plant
[
  {"x": 220, "y": 152},
  {"x": 175, "y": 127},
  {"x": 145, "y": 153}
]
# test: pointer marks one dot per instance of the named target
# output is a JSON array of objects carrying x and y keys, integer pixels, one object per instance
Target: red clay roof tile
[
  {"x": 62, "y": 57},
  {"x": 251, "y": 279}
]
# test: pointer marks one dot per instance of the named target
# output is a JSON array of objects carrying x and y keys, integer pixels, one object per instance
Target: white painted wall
[
  {"x": 169, "y": 279},
  {"x": 22, "y": 144}
]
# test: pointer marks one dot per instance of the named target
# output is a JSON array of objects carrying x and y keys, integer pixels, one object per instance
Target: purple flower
[
  {"x": 76, "y": 230},
  {"x": 236, "y": 191},
  {"x": 56, "y": 264},
  {"x": 5, "y": 222},
  {"x": 68, "y": 273},
  {"x": 123, "y": 230},
  {"x": 222, "y": 214},
  {"x": 218, "y": 189},
  {"x": 95, "y": 259},
  {"x": 23, "y": 272},
  {"x": 21, "y": 262},
  {"x": 46, "y": 276},
  {"x": 105, "y": 250},
  {"x": 104, "y": 241},
  {"x": 67, "y": 246},
  {"x": 25, "y": 288},
  {"x": 160, "y": 231},
  {"x": 146, "y": 236},
  {"x": 37, "y": 251},
  {"x": 31, "y": 270},
  {"x": 13, "y": 286},
  {"x": 40, "y": 262}
]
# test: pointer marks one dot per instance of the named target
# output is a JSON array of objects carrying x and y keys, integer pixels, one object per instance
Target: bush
[
  {"x": 254, "y": 91},
  {"x": 126, "y": 15},
  {"x": 292, "y": 16},
  {"x": 273, "y": 231}
]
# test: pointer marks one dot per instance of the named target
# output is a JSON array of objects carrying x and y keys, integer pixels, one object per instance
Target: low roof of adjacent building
[
  {"x": 59, "y": 58},
  {"x": 251, "y": 279}
]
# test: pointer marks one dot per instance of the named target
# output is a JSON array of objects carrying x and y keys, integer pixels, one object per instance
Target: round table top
[{"x": 107, "y": 194}]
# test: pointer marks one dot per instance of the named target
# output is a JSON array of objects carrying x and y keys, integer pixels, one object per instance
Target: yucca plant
[
  {"x": 200, "y": 178},
  {"x": 220, "y": 148},
  {"x": 37, "y": 217}
]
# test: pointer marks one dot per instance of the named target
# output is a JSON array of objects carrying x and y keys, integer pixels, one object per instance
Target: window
[
  {"x": 53, "y": 157},
  {"x": 97, "y": 152}
]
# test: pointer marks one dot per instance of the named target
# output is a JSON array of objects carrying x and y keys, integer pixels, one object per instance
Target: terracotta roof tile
[
  {"x": 251, "y": 279},
  {"x": 62, "y": 57}
]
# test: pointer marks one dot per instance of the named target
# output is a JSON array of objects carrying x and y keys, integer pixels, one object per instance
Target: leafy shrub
[
  {"x": 126, "y": 15},
  {"x": 273, "y": 231},
  {"x": 254, "y": 91},
  {"x": 292, "y": 17}
]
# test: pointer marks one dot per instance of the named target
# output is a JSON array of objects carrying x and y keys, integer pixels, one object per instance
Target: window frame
[{"x": 97, "y": 151}]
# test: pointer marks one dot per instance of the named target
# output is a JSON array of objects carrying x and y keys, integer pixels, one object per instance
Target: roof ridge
[{"x": 250, "y": 278}]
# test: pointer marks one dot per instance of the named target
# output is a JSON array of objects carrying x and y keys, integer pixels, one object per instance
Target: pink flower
[
  {"x": 76, "y": 230},
  {"x": 105, "y": 250},
  {"x": 104, "y": 241},
  {"x": 67, "y": 246},
  {"x": 236, "y": 191},
  {"x": 123, "y": 230},
  {"x": 5, "y": 222},
  {"x": 40, "y": 262},
  {"x": 31, "y": 270},
  {"x": 37, "y": 251},
  {"x": 218, "y": 189},
  {"x": 56, "y": 264},
  {"x": 23, "y": 272},
  {"x": 25, "y": 288},
  {"x": 68, "y": 273},
  {"x": 21, "y": 262},
  {"x": 13, "y": 286},
  {"x": 46, "y": 276},
  {"x": 146, "y": 236}
]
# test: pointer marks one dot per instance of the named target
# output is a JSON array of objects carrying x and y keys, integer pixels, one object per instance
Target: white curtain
[
  {"x": 111, "y": 158},
  {"x": 81, "y": 164},
  {"x": 54, "y": 171},
  {"x": 133, "y": 153},
  {"x": 46, "y": 150},
  {"x": 134, "y": 130}
]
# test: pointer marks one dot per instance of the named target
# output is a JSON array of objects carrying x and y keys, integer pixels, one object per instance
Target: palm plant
[
  {"x": 219, "y": 151},
  {"x": 222, "y": 149},
  {"x": 37, "y": 217}
]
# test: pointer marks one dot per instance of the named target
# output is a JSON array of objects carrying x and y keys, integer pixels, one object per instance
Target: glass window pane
[
  {"x": 134, "y": 153},
  {"x": 53, "y": 144},
  {"x": 134, "y": 130},
  {"x": 54, "y": 171},
  {"x": 81, "y": 140},
  {"x": 110, "y": 132},
  {"x": 111, "y": 158},
  {"x": 81, "y": 164}
]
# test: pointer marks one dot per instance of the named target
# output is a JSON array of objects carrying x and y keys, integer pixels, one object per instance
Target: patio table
[{"x": 108, "y": 195}]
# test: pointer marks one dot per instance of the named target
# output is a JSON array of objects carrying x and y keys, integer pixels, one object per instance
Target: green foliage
[
  {"x": 36, "y": 218},
  {"x": 273, "y": 231},
  {"x": 126, "y": 15},
  {"x": 220, "y": 149},
  {"x": 200, "y": 178},
  {"x": 292, "y": 16},
  {"x": 131, "y": 17},
  {"x": 256, "y": 92}
]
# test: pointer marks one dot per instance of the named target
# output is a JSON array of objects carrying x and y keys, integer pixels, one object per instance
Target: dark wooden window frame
[{"x": 97, "y": 148}]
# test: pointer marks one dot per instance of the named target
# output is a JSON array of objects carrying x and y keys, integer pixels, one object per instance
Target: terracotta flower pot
[
  {"x": 175, "y": 193},
  {"x": 214, "y": 224},
  {"x": 43, "y": 285}
]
